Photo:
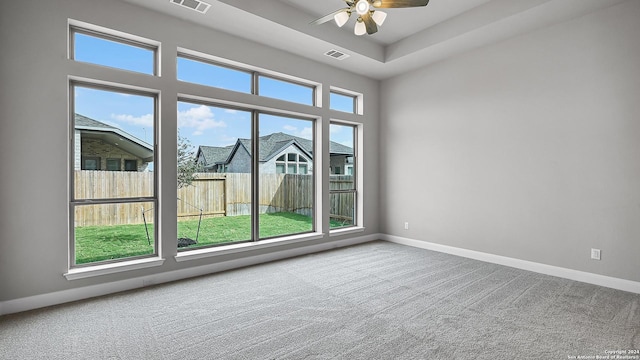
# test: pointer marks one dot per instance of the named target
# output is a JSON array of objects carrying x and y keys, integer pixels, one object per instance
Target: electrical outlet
[
  {"x": 406, "y": 225},
  {"x": 595, "y": 254}
]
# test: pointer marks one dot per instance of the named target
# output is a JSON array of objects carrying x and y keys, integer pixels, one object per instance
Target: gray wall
[
  {"x": 34, "y": 112},
  {"x": 528, "y": 148}
]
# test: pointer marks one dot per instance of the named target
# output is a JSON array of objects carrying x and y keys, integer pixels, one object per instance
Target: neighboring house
[
  {"x": 99, "y": 146},
  {"x": 279, "y": 153}
]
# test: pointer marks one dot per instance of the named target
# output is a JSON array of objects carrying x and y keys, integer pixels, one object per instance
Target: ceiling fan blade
[
  {"x": 370, "y": 24},
  {"x": 382, "y": 4},
  {"x": 329, "y": 17}
]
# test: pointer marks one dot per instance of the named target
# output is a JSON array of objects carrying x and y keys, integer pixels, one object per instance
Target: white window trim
[
  {"x": 112, "y": 268},
  {"x": 245, "y": 246}
]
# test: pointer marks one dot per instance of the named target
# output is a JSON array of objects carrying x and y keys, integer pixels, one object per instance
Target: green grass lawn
[{"x": 98, "y": 243}]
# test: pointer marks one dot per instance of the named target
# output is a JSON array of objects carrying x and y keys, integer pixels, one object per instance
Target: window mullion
[{"x": 255, "y": 176}]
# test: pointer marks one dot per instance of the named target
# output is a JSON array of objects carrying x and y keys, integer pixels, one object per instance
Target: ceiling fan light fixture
[
  {"x": 377, "y": 3},
  {"x": 362, "y": 6},
  {"x": 379, "y": 17},
  {"x": 342, "y": 18},
  {"x": 360, "y": 28}
]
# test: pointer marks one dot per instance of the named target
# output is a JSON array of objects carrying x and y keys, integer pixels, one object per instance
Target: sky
[{"x": 200, "y": 124}]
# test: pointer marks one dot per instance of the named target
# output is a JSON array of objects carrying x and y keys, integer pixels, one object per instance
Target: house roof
[
  {"x": 91, "y": 128},
  {"x": 213, "y": 154},
  {"x": 270, "y": 145}
]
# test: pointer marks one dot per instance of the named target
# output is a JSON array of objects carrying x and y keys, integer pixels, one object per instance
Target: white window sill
[
  {"x": 346, "y": 231},
  {"x": 112, "y": 268},
  {"x": 235, "y": 248}
]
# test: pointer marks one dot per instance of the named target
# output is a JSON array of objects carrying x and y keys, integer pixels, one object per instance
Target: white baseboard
[
  {"x": 64, "y": 296},
  {"x": 60, "y": 297},
  {"x": 595, "y": 279}
]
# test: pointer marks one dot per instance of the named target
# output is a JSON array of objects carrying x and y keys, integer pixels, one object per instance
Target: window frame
[
  {"x": 355, "y": 164},
  {"x": 256, "y": 111},
  {"x": 74, "y": 202},
  {"x": 77, "y": 27},
  {"x": 255, "y": 72}
]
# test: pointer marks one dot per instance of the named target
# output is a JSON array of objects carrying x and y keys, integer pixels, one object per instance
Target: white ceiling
[{"x": 410, "y": 38}]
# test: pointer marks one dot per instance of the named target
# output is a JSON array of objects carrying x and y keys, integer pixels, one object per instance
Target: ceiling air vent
[
  {"x": 196, "y": 5},
  {"x": 336, "y": 54}
]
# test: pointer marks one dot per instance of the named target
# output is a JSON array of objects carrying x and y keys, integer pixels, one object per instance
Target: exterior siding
[{"x": 98, "y": 148}]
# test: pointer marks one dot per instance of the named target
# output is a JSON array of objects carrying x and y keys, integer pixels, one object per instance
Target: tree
[{"x": 187, "y": 164}]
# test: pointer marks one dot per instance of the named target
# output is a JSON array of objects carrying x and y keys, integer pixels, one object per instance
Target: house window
[
  {"x": 342, "y": 102},
  {"x": 214, "y": 206},
  {"x": 343, "y": 190},
  {"x": 293, "y": 163},
  {"x": 110, "y": 48},
  {"x": 114, "y": 220},
  {"x": 285, "y": 90},
  {"x": 203, "y": 72},
  {"x": 204, "y": 69},
  {"x": 286, "y": 201},
  {"x": 346, "y": 101},
  {"x": 130, "y": 165},
  {"x": 113, "y": 164},
  {"x": 217, "y": 209},
  {"x": 90, "y": 163}
]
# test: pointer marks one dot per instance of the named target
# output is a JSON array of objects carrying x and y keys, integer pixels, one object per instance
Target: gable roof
[
  {"x": 92, "y": 128},
  {"x": 213, "y": 154},
  {"x": 270, "y": 145}
]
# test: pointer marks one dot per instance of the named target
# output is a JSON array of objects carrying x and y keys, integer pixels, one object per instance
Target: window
[
  {"x": 113, "y": 51},
  {"x": 206, "y": 73},
  {"x": 294, "y": 163},
  {"x": 238, "y": 206},
  {"x": 207, "y": 70},
  {"x": 342, "y": 187},
  {"x": 214, "y": 175},
  {"x": 113, "y": 164},
  {"x": 342, "y": 102},
  {"x": 90, "y": 163},
  {"x": 286, "y": 197},
  {"x": 112, "y": 213},
  {"x": 285, "y": 90},
  {"x": 130, "y": 165}
]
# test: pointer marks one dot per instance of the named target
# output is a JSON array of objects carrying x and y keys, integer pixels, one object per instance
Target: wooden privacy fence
[{"x": 213, "y": 194}]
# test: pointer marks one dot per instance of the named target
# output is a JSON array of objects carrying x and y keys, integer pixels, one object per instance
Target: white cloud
[
  {"x": 290, "y": 128},
  {"x": 230, "y": 111},
  {"x": 199, "y": 118},
  {"x": 306, "y": 133},
  {"x": 144, "y": 120}
]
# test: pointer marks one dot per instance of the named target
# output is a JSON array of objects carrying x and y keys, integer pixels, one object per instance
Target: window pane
[
  {"x": 113, "y": 231},
  {"x": 280, "y": 169},
  {"x": 285, "y": 90},
  {"x": 100, "y": 51},
  {"x": 286, "y": 200},
  {"x": 341, "y": 209},
  {"x": 113, "y": 164},
  {"x": 303, "y": 169},
  {"x": 342, "y": 102},
  {"x": 342, "y": 181},
  {"x": 203, "y": 73},
  {"x": 214, "y": 175},
  {"x": 110, "y": 124},
  {"x": 292, "y": 157},
  {"x": 291, "y": 169}
]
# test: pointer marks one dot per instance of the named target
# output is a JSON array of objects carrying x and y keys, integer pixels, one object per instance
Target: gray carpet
[{"x": 372, "y": 301}]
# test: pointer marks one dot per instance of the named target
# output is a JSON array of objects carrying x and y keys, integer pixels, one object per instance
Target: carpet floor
[{"x": 372, "y": 301}]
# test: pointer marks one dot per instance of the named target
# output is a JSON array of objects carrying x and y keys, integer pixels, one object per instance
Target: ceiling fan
[{"x": 368, "y": 17}]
